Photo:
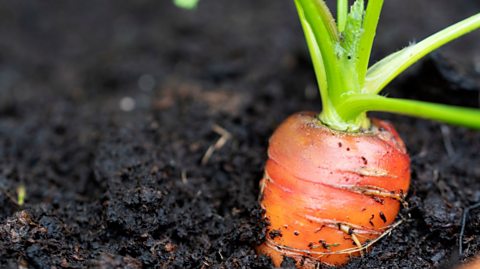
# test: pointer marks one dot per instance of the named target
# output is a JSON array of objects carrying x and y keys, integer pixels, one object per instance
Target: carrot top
[{"x": 340, "y": 54}]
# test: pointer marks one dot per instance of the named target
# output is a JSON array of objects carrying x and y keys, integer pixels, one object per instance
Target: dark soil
[{"x": 107, "y": 109}]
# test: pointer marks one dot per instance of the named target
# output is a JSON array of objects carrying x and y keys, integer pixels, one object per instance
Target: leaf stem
[
  {"x": 372, "y": 16},
  {"x": 380, "y": 74},
  {"x": 342, "y": 12},
  {"x": 316, "y": 57},
  {"x": 360, "y": 103},
  {"x": 317, "y": 15}
]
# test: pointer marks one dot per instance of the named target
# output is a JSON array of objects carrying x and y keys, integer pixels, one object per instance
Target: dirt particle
[
  {"x": 365, "y": 162},
  {"x": 64, "y": 263},
  {"x": 296, "y": 233},
  {"x": 339, "y": 144},
  {"x": 274, "y": 234},
  {"x": 348, "y": 149},
  {"x": 370, "y": 220},
  {"x": 324, "y": 244},
  {"x": 382, "y": 216},
  {"x": 169, "y": 247}
]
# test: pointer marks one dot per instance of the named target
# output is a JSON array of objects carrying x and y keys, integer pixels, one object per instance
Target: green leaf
[
  {"x": 370, "y": 22},
  {"x": 21, "y": 194},
  {"x": 380, "y": 74},
  {"x": 353, "y": 29},
  {"x": 186, "y": 4}
]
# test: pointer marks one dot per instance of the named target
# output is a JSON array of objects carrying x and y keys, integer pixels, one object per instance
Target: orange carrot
[{"x": 325, "y": 193}]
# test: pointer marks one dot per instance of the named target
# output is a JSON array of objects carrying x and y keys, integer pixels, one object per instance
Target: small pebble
[{"x": 127, "y": 104}]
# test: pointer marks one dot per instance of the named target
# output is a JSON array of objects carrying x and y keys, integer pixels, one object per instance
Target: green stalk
[
  {"x": 320, "y": 21},
  {"x": 316, "y": 56},
  {"x": 383, "y": 72},
  {"x": 342, "y": 12},
  {"x": 370, "y": 23},
  {"x": 336, "y": 65},
  {"x": 341, "y": 57},
  {"x": 357, "y": 104}
]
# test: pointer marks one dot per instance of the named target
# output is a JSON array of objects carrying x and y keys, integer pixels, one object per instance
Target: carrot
[
  {"x": 334, "y": 182},
  {"x": 327, "y": 191}
]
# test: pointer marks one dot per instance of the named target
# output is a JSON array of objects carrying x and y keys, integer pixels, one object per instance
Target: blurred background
[{"x": 85, "y": 47}]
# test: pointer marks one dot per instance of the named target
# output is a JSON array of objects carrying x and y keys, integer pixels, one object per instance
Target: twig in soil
[
  {"x": 224, "y": 137},
  {"x": 220, "y": 253},
  {"x": 466, "y": 212},
  {"x": 184, "y": 177},
  {"x": 447, "y": 141}
]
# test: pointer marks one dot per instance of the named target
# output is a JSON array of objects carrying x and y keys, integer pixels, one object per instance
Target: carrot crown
[{"x": 340, "y": 52}]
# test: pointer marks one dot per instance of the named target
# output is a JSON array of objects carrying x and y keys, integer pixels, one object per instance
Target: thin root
[
  {"x": 224, "y": 137},
  {"x": 350, "y": 231},
  {"x": 372, "y": 191},
  {"x": 466, "y": 211},
  {"x": 304, "y": 252}
]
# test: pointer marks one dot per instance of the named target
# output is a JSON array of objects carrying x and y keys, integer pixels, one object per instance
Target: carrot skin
[{"x": 322, "y": 189}]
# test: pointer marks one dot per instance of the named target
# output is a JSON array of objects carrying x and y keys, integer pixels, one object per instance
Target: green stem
[
  {"x": 316, "y": 57},
  {"x": 319, "y": 63},
  {"x": 320, "y": 20},
  {"x": 354, "y": 105},
  {"x": 342, "y": 12},
  {"x": 370, "y": 23},
  {"x": 380, "y": 74}
]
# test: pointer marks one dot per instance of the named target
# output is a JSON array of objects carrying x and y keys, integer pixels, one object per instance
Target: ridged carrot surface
[{"x": 327, "y": 193}]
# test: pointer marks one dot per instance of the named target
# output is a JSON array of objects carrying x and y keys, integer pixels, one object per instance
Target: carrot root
[{"x": 327, "y": 195}]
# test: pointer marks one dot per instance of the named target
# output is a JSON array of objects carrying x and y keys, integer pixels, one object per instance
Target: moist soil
[{"x": 108, "y": 108}]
